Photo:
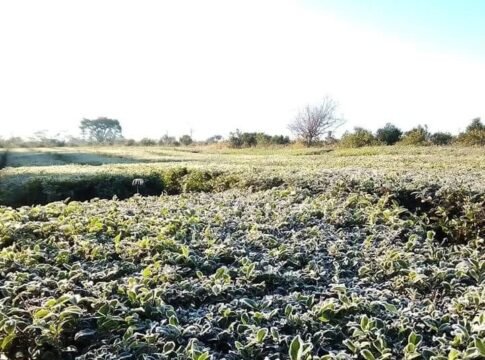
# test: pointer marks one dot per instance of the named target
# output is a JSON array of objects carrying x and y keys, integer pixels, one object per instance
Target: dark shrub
[
  {"x": 389, "y": 134},
  {"x": 185, "y": 140},
  {"x": 441, "y": 138},
  {"x": 147, "y": 142}
]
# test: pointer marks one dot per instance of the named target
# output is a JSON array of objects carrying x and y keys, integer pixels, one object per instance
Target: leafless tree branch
[{"x": 314, "y": 121}]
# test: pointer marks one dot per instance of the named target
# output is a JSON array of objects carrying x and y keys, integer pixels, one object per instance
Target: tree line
[
  {"x": 417, "y": 136},
  {"x": 313, "y": 126},
  {"x": 313, "y": 122}
]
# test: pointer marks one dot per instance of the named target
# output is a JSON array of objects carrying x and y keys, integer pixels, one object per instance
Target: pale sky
[{"x": 214, "y": 66}]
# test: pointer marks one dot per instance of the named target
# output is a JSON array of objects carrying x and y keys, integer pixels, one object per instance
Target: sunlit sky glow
[{"x": 214, "y": 66}]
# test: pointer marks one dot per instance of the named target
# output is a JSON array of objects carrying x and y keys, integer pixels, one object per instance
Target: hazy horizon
[{"x": 211, "y": 67}]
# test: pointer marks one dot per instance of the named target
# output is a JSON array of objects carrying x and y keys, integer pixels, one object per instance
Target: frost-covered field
[{"x": 369, "y": 253}]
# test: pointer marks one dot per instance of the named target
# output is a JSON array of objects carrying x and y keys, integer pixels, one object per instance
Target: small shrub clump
[
  {"x": 389, "y": 134},
  {"x": 418, "y": 136},
  {"x": 441, "y": 138},
  {"x": 474, "y": 134},
  {"x": 358, "y": 138}
]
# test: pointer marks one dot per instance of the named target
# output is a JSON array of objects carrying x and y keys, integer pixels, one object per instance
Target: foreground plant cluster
[{"x": 341, "y": 265}]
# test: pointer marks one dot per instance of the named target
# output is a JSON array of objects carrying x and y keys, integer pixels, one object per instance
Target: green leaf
[
  {"x": 203, "y": 356},
  {"x": 261, "y": 335},
  {"x": 295, "y": 350},
  {"x": 70, "y": 311},
  {"x": 275, "y": 334},
  {"x": 220, "y": 272},
  {"x": 185, "y": 251},
  {"x": 50, "y": 303},
  {"x": 453, "y": 354},
  {"x": 42, "y": 313},
  {"x": 364, "y": 322},
  {"x": 7, "y": 341},
  {"x": 480, "y": 345},
  {"x": 367, "y": 355},
  {"x": 173, "y": 320},
  {"x": 390, "y": 307},
  {"x": 410, "y": 348},
  {"x": 131, "y": 295},
  {"x": 414, "y": 339},
  {"x": 146, "y": 272},
  {"x": 245, "y": 318},
  {"x": 352, "y": 347}
]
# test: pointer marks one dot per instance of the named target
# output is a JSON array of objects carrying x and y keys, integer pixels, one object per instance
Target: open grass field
[{"x": 372, "y": 253}]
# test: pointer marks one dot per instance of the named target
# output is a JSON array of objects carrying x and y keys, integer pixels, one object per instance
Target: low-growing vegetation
[
  {"x": 372, "y": 253},
  {"x": 349, "y": 264},
  {"x": 358, "y": 138},
  {"x": 177, "y": 171},
  {"x": 474, "y": 134}
]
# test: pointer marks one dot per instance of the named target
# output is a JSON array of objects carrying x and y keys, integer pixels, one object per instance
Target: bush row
[
  {"x": 418, "y": 136},
  {"x": 45, "y": 189},
  {"x": 455, "y": 213},
  {"x": 34, "y": 190}
]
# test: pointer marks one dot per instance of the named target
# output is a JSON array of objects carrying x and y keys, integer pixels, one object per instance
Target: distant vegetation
[
  {"x": 295, "y": 262},
  {"x": 314, "y": 121},
  {"x": 474, "y": 134},
  {"x": 248, "y": 252},
  {"x": 389, "y": 134},
  {"x": 101, "y": 130},
  {"x": 314, "y": 126},
  {"x": 358, "y": 138},
  {"x": 240, "y": 139}
]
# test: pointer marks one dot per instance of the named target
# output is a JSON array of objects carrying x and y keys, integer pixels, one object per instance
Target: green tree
[
  {"x": 214, "y": 139},
  {"x": 148, "y": 142},
  {"x": 185, "y": 140},
  {"x": 475, "y": 125},
  {"x": 235, "y": 139},
  {"x": 167, "y": 140},
  {"x": 101, "y": 130},
  {"x": 389, "y": 134}
]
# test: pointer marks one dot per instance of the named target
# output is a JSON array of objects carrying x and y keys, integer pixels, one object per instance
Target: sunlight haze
[{"x": 213, "y": 66}]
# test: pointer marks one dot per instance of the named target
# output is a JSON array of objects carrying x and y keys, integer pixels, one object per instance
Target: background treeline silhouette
[{"x": 474, "y": 135}]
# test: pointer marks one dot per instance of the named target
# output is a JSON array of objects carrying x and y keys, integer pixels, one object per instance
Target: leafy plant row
[
  {"x": 45, "y": 189},
  {"x": 343, "y": 267}
]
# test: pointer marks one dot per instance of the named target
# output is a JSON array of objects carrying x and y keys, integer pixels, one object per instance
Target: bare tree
[{"x": 313, "y": 121}]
